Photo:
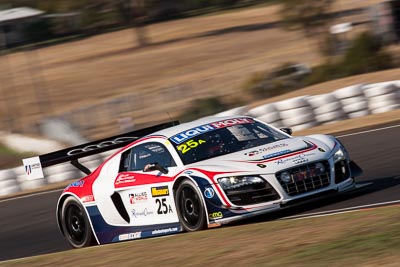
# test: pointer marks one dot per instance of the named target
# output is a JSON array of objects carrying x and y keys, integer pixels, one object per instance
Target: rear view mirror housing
[{"x": 287, "y": 130}]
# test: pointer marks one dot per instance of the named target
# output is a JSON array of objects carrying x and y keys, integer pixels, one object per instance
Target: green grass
[
  {"x": 10, "y": 158},
  {"x": 360, "y": 238}
]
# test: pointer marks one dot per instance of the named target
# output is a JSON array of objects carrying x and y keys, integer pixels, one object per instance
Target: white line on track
[
  {"x": 370, "y": 131},
  {"x": 338, "y": 211},
  {"x": 31, "y": 195}
]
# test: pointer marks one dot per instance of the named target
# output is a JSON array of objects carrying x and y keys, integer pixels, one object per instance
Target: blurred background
[{"x": 83, "y": 70}]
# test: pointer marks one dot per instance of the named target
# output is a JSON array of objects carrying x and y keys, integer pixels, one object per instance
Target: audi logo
[{"x": 100, "y": 145}]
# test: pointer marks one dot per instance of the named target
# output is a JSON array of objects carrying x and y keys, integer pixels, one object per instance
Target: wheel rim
[
  {"x": 76, "y": 225},
  {"x": 190, "y": 206}
]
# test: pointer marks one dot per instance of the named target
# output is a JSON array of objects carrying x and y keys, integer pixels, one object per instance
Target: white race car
[{"x": 171, "y": 178}]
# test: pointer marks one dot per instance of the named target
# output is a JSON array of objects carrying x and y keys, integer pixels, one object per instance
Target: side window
[
  {"x": 125, "y": 160},
  {"x": 139, "y": 156}
]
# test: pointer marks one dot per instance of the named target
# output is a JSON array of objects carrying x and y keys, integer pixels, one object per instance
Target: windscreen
[{"x": 223, "y": 137}]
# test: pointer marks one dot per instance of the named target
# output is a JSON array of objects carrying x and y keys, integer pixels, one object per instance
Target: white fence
[{"x": 298, "y": 113}]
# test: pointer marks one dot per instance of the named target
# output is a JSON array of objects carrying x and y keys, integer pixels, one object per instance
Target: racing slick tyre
[
  {"x": 75, "y": 224},
  {"x": 190, "y": 207}
]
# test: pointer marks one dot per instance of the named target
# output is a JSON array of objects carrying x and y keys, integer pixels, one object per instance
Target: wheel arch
[
  {"x": 182, "y": 178},
  {"x": 179, "y": 180},
  {"x": 60, "y": 203}
]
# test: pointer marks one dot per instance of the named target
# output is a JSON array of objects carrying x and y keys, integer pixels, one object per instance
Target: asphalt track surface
[{"x": 28, "y": 224}]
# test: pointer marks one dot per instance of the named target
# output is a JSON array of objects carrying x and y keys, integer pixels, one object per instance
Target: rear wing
[{"x": 33, "y": 166}]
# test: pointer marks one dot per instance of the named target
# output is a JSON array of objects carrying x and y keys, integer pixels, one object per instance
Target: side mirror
[
  {"x": 155, "y": 167},
  {"x": 287, "y": 130}
]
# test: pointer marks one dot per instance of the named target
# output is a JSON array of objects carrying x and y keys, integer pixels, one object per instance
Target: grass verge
[
  {"x": 10, "y": 158},
  {"x": 362, "y": 238}
]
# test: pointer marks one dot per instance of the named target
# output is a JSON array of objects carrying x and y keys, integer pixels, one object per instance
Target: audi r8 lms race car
[{"x": 171, "y": 178}]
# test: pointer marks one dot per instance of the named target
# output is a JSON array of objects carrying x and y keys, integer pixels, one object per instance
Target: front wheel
[
  {"x": 75, "y": 224},
  {"x": 190, "y": 207}
]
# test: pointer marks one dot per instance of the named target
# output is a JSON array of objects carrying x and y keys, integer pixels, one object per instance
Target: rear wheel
[
  {"x": 75, "y": 223},
  {"x": 190, "y": 207}
]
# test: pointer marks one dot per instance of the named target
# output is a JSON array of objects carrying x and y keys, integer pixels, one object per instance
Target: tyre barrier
[
  {"x": 383, "y": 97},
  {"x": 349, "y": 91},
  {"x": 267, "y": 113},
  {"x": 298, "y": 113},
  {"x": 233, "y": 112},
  {"x": 330, "y": 117},
  {"x": 263, "y": 109},
  {"x": 8, "y": 182},
  {"x": 353, "y": 100},
  {"x": 327, "y": 108}
]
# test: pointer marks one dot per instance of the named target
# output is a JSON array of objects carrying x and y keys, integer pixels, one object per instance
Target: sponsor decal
[
  {"x": 124, "y": 179},
  {"x": 137, "y": 197},
  {"x": 188, "y": 172},
  {"x": 183, "y": 136},
  {"x": 164, "y": 231},
  {"x": 321, "y": 149},
  {"x": 276, "y": 154},
  {"x": 186, "y": 147},
  {"x": 141, "y": 213},
  {"x": 88, "y": 198},
  {"x": 163, "y": 207},
  {"x": 302, "y": 158},
  {"x": 215, "y": 215},
  {"x": 28, "y": 169},
  {"x": 160, "y": 191},
  {"x": 79, "y": 183},
  {"x": 129, "y": 236},
  {"x": 265, "y": 149},
  {"x": 262, "y": 166},
  {"x": 100, "y": 145},
  {"x": 209, "y": 192},
  {"x": 33, "y": 168}
]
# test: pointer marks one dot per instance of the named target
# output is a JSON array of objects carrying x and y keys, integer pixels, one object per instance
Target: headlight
[
  {"x": 286, "y": 177},
  {"x": 338, "y": 156},
  {"x": 320, "y": 168},
  {"x": 234, "y": 182}
]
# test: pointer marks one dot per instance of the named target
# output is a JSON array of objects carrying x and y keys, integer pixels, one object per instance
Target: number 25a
[{"x": 189, "y": 145}]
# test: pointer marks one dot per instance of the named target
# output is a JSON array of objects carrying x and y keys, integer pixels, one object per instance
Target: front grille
[
  {"x": 342, "y": 171},
  {"x": 305, "y": 178},
  {"x": 252, "y": 194}
]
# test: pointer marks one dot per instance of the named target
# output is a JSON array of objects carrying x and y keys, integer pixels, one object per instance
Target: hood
[{"x": 267, "y": 159}]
